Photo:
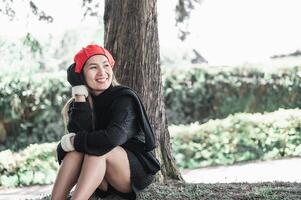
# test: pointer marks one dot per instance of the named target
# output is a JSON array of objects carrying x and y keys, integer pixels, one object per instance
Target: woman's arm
[
  {"x": 80, "y": 115},
  {"x": 80, "y": 118},
  {"x": 123, "y": 125}
]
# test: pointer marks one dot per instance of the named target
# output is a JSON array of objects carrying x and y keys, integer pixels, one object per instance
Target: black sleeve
[
  {"x": 122, "y": 126},
  {"x": 80, "y": 117},
  {"x": 60, "y": 153}
]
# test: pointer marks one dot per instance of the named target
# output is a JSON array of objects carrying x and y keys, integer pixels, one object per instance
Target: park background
[{"x": 230, "y": 70}]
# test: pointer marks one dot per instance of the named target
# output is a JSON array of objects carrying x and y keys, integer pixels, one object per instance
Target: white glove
[
  {"x": 80, "y": 90},
  {"x": 66, "y": 142}
]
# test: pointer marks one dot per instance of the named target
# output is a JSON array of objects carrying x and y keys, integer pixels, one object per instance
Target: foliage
[
  {"x": 239, "y": 137},
  {"x": 9, "y": 8},
  {"x": 33, "y": 44},
  {"x": 34, "y": 165},
  {"x": 235, "y": 139},
  {"x": 45, "y": 52},
  {"x": 183, "y": 11},
  {"x": 32, "y": 101},
  {"x": 199, "y": 95},
  {"x": 30, "y": 108}
]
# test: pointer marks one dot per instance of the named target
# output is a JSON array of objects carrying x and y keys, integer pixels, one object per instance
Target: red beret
[{"x": 85, "y": 53}]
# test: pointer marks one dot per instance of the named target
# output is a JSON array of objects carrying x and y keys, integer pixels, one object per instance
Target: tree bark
[{"x": 131, "y": 35}]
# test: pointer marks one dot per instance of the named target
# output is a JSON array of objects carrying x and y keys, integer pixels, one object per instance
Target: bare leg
[
  {"x": 113, "y": 166},
  {"x": 67, "y": 175},
  {"x": 91, "y": 176},
  {"x": 104, "y": 185},
  {"x": 118, "y": 172}
]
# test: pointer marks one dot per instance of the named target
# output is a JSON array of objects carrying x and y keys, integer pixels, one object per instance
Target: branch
[
  {"x": 183, "y": 11},
  {"x": 7, "y": 9}
]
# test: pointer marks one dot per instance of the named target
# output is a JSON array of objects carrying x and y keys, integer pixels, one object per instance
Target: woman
[{"x": 109, "y": 145}]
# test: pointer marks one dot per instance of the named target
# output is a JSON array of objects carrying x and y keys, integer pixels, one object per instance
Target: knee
[
  {"x": 114, "y": 154},
  {"x": 74, "y": 155}
]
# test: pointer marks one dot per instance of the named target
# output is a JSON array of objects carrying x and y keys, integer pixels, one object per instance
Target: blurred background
[{"x": 230, "y": 69}]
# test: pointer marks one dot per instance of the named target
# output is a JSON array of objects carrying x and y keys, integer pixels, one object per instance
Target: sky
[
  {"x": 224, "y": 32},
  {"x": 238, "y": 31},
  {"x": 247, "y": 29}
]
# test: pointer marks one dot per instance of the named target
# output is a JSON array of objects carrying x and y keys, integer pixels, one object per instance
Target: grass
[
  {"x": 276, "y": 190},
  {"x": 174, "y": 190}
]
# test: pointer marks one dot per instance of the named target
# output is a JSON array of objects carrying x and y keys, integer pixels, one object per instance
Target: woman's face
[{"x": 98, "y": 73}]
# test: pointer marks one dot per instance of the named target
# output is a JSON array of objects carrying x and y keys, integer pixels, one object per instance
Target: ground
[
  {"x": 276, "y": 179},
  {"x": 222, "y": 191},
  {"x": 268, "y": 190}
]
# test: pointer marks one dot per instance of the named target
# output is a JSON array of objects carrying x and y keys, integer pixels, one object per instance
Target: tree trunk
[{"x": 131, "y": 34}]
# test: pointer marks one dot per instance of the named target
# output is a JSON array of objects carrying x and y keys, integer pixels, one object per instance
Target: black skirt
[{"x": 140, "y": 179}]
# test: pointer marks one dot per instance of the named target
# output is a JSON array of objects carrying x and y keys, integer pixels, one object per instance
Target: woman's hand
[
  {"x": 76, "y": 81},
  {"x": 79, "y": 98}
]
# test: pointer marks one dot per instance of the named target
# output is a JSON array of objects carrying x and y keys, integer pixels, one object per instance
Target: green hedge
[
  {"x": 199, "y": 95},
  {"x": 34, "y": 165},
  {"x": 239, "y": 137},
  {"x": 30, "y": 108},
  {"x": 31, "y": 102}
]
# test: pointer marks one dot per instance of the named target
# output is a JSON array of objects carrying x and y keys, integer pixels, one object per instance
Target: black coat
[{"x": 120, "y": 120}]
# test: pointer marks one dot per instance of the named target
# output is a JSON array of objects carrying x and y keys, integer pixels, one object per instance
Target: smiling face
[{"x": 98, "y": 73}]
